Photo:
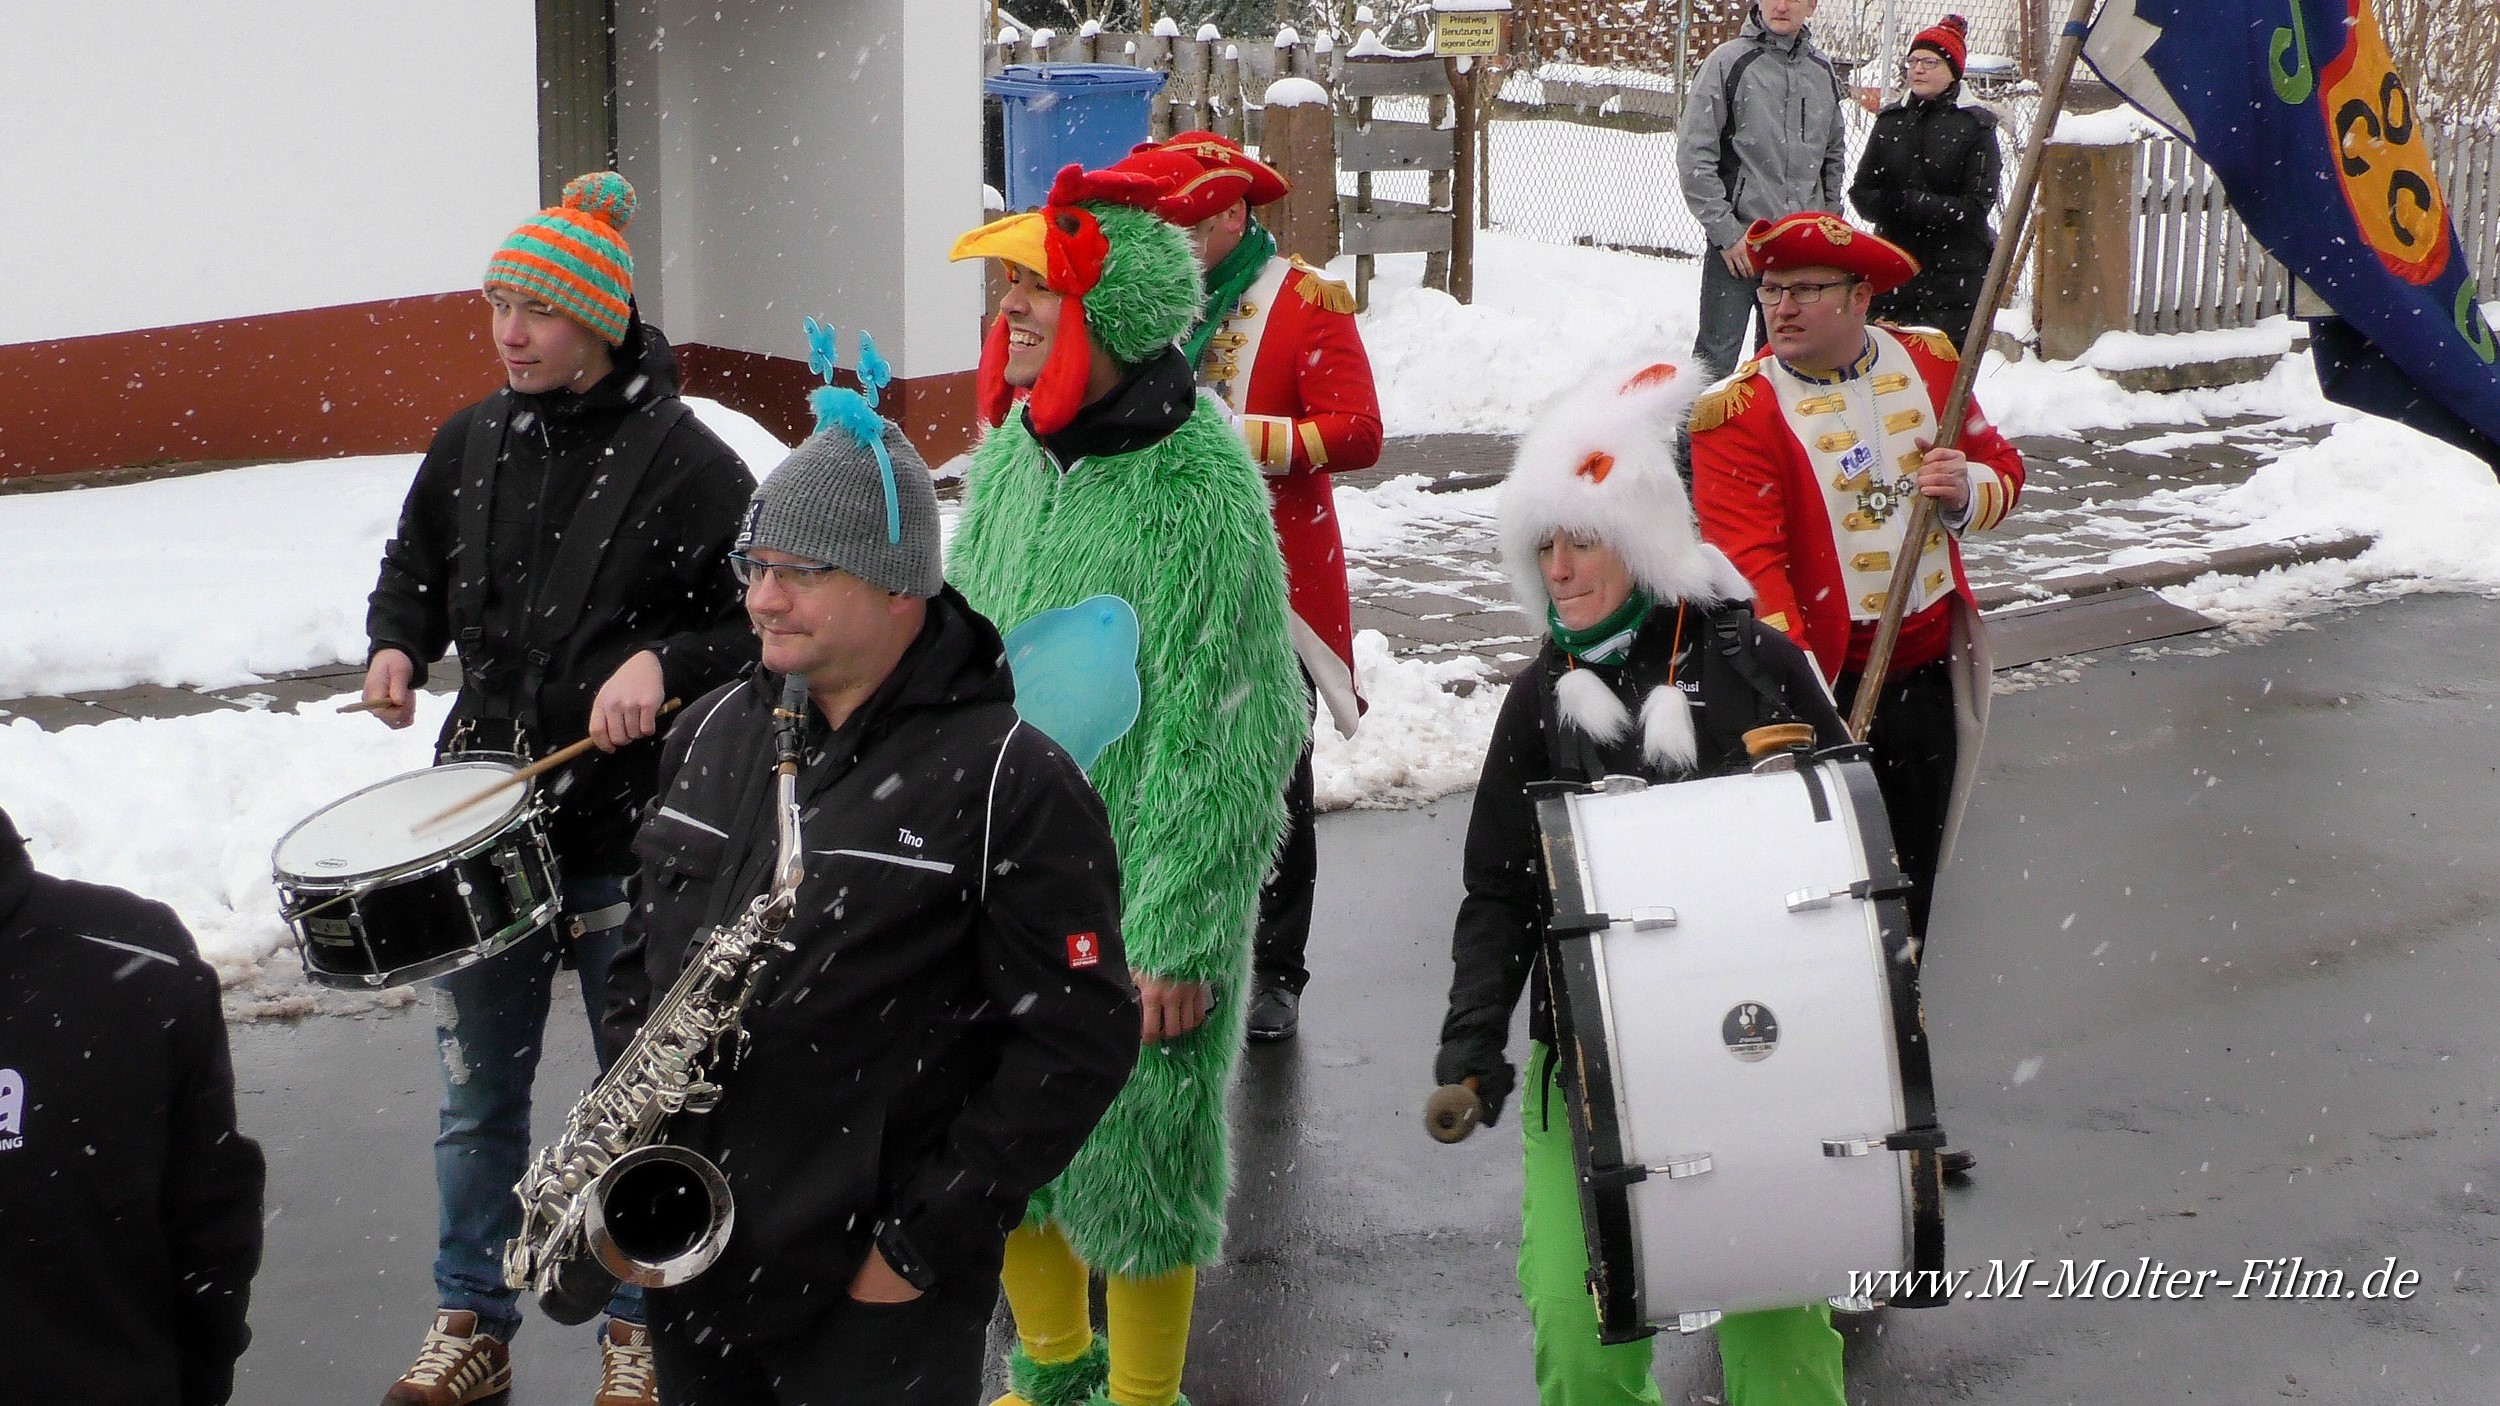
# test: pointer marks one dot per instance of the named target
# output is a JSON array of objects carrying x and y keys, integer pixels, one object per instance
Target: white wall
[
  {"x": 174, "y": 161},
  {"x": 807, "y": 160}
]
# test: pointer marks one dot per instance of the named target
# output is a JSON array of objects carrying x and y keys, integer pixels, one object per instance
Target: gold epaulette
[
  {"x": 1318, "y": 288},
  {"x": 1726, "y": 400},
  {"x": 1937, "y": 343}
]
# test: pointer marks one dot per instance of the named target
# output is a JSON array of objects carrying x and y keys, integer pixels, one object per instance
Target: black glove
[{"x": 1494, "y": 1076}]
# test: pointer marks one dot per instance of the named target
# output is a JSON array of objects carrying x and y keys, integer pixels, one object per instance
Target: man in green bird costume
[{"x": 1105, "y": 472}]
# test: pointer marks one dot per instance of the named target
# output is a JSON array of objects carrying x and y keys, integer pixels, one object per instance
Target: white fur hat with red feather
[{"x": 1599, "y": 464}]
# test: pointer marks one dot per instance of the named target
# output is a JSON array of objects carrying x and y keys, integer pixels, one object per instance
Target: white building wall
[
  {"x": 171, "y": 161},
  {"x": 808, "y": 160}
]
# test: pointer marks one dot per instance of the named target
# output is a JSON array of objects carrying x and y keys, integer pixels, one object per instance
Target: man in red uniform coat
[
  {"x": 1277, "y": 344},
  {"x": 1804, "y": 461}
]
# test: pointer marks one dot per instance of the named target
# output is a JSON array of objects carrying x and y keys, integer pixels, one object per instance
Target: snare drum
[
  {"x": 374, "y": 903},
  {"x": 1736, "y": 1014}
]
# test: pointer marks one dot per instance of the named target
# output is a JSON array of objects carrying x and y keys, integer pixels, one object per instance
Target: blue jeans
[
  {"x": 489, "y": 1024},
  {"x": 1727, "y": 311}
]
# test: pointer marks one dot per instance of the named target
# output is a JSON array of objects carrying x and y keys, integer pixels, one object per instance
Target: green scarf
[
  {"x": 1607, "y": 641},
  {"x": 1227, "y": 281}
]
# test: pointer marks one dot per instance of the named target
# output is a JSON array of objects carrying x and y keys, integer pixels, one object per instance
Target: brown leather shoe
[
  {"x": 625, "y": 1377},
  {"x": 457, "y": 1365}
]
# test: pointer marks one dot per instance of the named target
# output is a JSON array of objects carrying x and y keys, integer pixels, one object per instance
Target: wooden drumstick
[
  {"x": 1453, "y": 1111},
  {"x": 365, "y": 706},
  {"x": 531, "y": 772}
]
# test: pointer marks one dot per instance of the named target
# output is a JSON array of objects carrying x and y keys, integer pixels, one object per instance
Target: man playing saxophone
[{"x": 950, "y": 1010}]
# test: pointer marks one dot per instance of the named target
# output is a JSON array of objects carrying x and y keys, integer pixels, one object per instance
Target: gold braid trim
[
  {"x": 1726, "y": 400},
  {"x": 1321, "y": 290},
  {"x": 1937, "y": 343}
]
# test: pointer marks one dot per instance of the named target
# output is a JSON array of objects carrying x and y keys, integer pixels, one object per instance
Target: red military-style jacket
[
  {"x": 1804, "y": 481},
  {"x": 1290, "y": 364}
]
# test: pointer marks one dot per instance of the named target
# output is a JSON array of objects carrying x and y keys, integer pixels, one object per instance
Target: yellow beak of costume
[{"x": 1016, "y": 239}]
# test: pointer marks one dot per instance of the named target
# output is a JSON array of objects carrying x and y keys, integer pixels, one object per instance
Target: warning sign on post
[{"x": 1467, "y": 33}]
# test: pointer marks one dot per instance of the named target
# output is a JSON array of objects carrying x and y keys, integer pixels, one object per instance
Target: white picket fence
[{"x": 2198, "y": 269}]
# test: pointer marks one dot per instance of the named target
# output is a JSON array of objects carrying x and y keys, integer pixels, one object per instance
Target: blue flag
[{"x": 2298, "y": 108}]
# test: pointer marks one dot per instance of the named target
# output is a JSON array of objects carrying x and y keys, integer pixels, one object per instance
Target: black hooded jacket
[
  {"x": 1928, "y": 182},
  {"x": 659, "y": 582},
  {"x": 1501, "y": 922},
  {"x": 957, "y": 1012},
  {"x": 129, "y": 1203}
]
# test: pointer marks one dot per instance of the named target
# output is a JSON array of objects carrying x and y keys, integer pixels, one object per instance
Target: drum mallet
[
  {"x": 528, "y": 773},
  {"x": 1771, "y": 739},
  {"x": 1453, "y": 1111}
]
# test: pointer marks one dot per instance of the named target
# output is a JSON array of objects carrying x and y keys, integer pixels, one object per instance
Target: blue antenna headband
[{"x": 855, "y": 412}]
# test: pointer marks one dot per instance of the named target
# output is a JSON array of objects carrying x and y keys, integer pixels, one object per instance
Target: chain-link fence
[
  {"x": 1575, "y": 156},
  {"x": 1663, "y": 35}
]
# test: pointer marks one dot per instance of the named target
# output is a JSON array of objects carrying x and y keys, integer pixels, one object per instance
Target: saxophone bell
[{"x": 658, "y": 1216}]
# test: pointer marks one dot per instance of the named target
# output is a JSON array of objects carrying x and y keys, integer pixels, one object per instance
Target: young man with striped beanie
[{"x": 570, "y": 535}]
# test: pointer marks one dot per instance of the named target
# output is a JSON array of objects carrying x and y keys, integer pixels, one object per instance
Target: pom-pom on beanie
[
  {"x": 573, "y": 255},
  {"x": 1949, "y": 38}
]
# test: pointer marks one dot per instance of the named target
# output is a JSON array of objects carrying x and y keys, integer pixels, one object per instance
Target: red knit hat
[{"x": 1950, "y": 37}]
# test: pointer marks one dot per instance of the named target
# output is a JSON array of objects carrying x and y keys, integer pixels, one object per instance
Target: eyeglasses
[
  {"x": 1921, "y": 63},
  {"x": 790, "y": 575},
  {"x": 1806, "y": 294}
]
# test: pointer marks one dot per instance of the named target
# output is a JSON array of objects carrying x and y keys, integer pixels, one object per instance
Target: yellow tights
[{"x": 1147, "y": 1319}]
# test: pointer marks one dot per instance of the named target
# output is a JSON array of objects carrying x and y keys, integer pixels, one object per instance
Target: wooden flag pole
[{"x": 1974, "y": 344}]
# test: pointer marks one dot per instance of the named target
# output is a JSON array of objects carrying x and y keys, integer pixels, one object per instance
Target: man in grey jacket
[{"x": 1761, "y": 137}]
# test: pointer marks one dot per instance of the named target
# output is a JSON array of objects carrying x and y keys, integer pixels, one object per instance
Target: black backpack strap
[
  {"x": 470, "y": 570},
  {"x": 566, "y": 589},
  {"x": 1732, "y": 636}
]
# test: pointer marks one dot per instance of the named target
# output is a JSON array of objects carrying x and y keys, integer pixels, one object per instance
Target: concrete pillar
[{"x": 2086, "y": 277}]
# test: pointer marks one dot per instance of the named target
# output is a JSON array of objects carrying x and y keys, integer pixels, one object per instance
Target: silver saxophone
[{"x": 609, "y": 1201}]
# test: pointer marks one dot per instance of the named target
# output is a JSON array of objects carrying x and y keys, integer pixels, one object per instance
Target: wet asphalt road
[{"x": 2213, "y": 980}]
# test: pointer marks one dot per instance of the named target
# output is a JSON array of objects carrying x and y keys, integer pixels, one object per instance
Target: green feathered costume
[{"x": 1180, "y": 529}]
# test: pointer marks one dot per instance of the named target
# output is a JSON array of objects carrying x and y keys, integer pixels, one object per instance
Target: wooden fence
[{"x": 2197, "y": 268}]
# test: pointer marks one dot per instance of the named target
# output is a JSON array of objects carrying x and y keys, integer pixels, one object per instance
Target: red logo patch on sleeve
[{"x": 1084, "y": 950}]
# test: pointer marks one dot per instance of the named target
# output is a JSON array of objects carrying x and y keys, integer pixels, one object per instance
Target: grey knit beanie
[{"x": 832, "y": 501}]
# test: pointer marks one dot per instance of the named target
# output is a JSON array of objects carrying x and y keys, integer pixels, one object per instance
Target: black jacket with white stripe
[
  {"x": 957, "y": 1011},
  {"x": 129, "y": 1203}
]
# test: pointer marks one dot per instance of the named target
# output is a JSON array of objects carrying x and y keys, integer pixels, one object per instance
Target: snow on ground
[
  {"x": 1545, "y": 317},
  {"x": 1418, "y": 741},
  {"x": 2432, "y": 512},
  {"x": 2034, "y": 397},
  {"x": 214, "y": 579},
  {"x": 187, "y": 810},
  {"x": 210, "y": 580}
]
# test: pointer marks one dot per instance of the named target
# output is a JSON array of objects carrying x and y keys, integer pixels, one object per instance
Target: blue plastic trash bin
[{"x": 1057, "y": 113}]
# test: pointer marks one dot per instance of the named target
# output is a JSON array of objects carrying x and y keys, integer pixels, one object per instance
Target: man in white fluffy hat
[{"x": 1653, "y": 666}]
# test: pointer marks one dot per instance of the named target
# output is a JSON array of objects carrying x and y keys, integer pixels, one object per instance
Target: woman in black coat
[
  {"x": 1928, "y": 182},
  {"x": 1653, "y": 666}
]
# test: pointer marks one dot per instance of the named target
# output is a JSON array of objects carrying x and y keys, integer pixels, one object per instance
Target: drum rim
[{"x": 331, "y": 886}]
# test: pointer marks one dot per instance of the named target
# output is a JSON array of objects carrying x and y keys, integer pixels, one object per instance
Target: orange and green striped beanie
[{"x": 574, "y": 255}]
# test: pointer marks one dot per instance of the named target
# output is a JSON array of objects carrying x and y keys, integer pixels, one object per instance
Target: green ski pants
[{"x": 1782, "y": 1357}]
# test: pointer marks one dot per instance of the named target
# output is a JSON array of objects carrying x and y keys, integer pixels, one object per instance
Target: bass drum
[
  {"x": 1736, "y": 1010},
  {"x": 377, "y": 897}
]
